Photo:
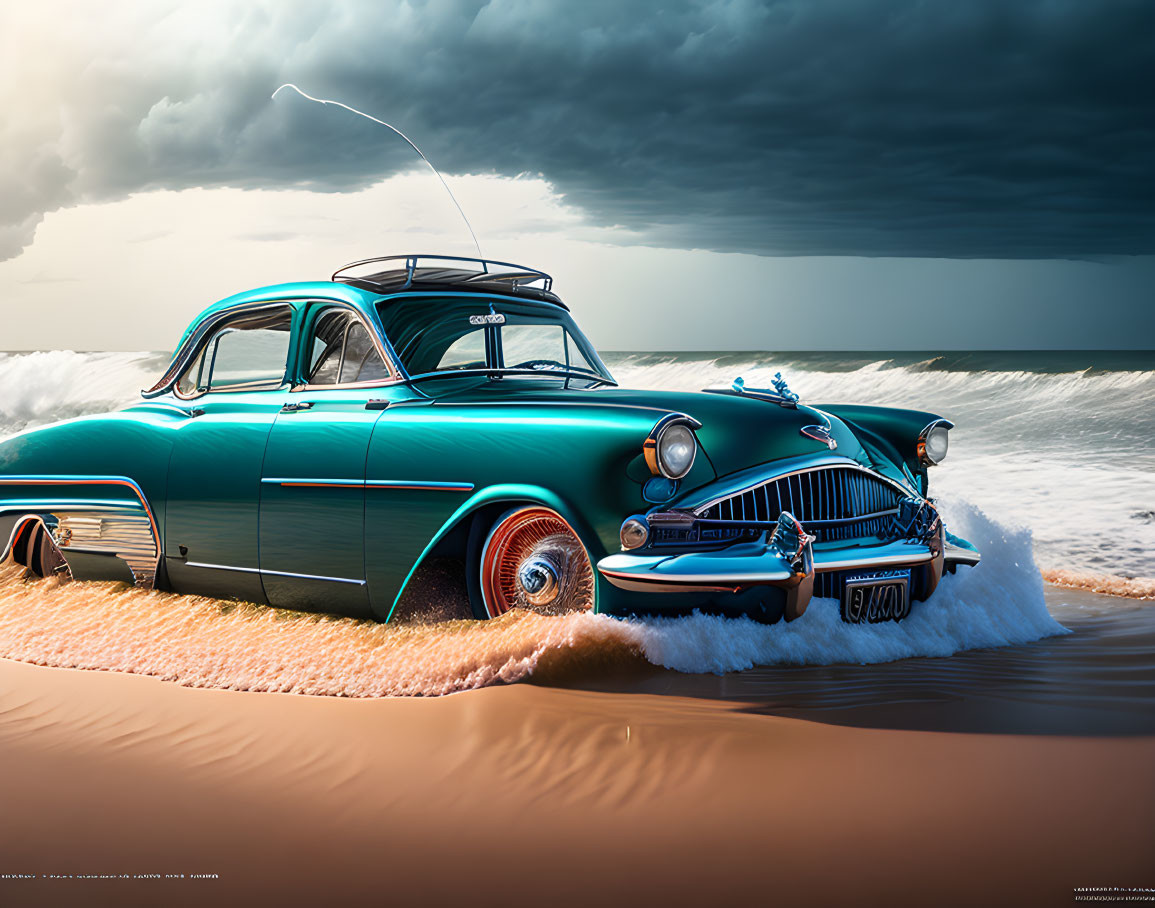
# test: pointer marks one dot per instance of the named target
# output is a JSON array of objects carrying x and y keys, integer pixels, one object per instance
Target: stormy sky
[{"x": 987, "y": 131}]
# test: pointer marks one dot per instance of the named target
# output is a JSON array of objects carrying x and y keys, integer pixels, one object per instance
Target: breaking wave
[
  {"x": 201, "y": 642},
  {"x": 50, "y": 385}
]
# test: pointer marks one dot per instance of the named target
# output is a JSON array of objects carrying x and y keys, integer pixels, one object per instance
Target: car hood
[{"x": 737, "y": 432}]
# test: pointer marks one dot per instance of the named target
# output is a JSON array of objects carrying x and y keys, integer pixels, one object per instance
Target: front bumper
[{"x": 787, "y": 562}]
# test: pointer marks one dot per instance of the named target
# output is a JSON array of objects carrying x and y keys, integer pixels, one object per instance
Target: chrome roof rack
[{"x": 516, "y": 277}]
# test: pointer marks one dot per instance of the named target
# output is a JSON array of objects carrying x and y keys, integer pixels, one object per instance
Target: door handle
[{"x": 297, "y": 407}]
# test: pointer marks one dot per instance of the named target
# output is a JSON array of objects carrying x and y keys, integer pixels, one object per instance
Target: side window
[
  {"x": 246, "y": 352},
  {"x": 362, "y": 361},
  {"x": 344, "y": 352},
  {"x": 328, "y": 342}
]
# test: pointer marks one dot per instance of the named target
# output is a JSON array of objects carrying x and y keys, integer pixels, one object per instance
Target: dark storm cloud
[{"x": 882, "y": 127}]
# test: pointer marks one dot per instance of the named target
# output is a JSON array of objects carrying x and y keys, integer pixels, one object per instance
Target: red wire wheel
[{"x": 534, "y": 560}]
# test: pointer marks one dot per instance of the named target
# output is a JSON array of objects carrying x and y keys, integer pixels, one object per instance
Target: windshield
[{"x": 474, "y": 334}]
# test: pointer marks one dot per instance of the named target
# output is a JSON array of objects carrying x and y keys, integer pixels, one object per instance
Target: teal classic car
[{"x": 312, "y": 445}]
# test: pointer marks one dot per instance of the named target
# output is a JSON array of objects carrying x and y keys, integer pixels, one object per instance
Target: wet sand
[
  {"x": 532, "y": 794},
  {"x": 1004, "y": 776}
]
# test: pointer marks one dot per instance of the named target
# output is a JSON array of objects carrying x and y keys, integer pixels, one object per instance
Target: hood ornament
[{"x": 781, "y": 394}]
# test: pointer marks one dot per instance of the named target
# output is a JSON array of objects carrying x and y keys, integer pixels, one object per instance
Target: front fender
[
  {"x": 889, "y": 431},
  {"x": 508, "y": 494}
]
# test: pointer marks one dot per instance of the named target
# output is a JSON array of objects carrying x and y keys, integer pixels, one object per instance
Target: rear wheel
[
  {"x": 533, "y": 559},
  {"x": 40, "y": 554}
]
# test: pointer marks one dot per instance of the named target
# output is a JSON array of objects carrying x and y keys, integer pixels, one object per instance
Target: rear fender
[{"x": 102, "y": 525}]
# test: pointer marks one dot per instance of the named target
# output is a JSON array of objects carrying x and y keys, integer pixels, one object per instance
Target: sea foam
[
  {"x": 998, "y": 603},
  {"x": 202, "y": 642}
]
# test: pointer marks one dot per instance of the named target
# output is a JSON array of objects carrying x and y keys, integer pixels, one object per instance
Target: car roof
[
  {"x": 417, "y": 275},
  {"x": 363, "y": 300},
  {"x": 358, "y": 298}
]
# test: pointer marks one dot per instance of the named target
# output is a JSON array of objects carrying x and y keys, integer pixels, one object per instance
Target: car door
[
  {"x": 231, "y": 393},
  {"x": 312, "y": 551}
]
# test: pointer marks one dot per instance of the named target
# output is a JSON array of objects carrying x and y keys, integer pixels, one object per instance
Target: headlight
[
  {"x": 933, "y": 442},
  {"x": 671, "y": 447},
  {"x": 676, "y": 450}
]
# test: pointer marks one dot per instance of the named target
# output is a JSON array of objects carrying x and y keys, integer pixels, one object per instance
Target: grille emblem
[{"x": 820, "y": 433}]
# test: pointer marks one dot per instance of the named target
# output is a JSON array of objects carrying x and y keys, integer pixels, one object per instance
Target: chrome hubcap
[{"x": 537, "y": 577}]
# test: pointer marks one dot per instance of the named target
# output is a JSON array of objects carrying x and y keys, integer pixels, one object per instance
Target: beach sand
[{"x": 528, "y": 794}]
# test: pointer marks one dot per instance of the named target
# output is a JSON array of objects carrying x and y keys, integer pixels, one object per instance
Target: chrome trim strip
[
  {"x": 419, "y": 484},
  {"x": 722, "y": 580},
  {"x": 307, "y": 481},
  {"x": 314, "y": 577},
  {"x": 247, "y": 570}
]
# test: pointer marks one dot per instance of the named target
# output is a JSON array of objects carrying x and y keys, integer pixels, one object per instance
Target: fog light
[{"x": 634, "y": 533}]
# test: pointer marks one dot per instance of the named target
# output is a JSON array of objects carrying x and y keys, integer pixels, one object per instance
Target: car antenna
[{"x": 411, "y": 143}]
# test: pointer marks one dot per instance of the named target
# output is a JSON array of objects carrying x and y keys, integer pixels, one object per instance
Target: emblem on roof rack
[{"x": 493, "y": 318}]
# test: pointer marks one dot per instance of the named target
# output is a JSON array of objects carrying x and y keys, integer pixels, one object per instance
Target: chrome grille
[{"x": 833, "y": 503}]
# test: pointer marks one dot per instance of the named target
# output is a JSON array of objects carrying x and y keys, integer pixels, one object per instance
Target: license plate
[{"x": 876, "y": 596}]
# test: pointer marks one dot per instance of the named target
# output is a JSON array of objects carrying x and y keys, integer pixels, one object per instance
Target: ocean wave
[
  {"x": 52, "y": 385},
  {"x": 201, "y": 642}
]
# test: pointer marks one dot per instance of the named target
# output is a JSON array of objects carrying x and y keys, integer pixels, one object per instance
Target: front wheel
[{"x": 533, "y": 559}]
